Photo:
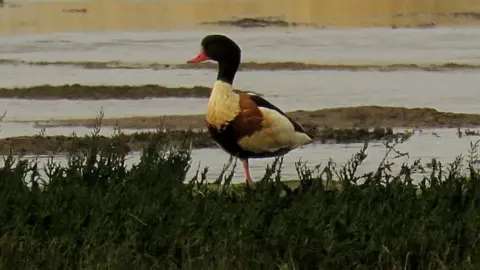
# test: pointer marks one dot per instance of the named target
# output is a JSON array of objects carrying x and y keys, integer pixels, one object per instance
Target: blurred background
[{"x": 42, "y": 16}]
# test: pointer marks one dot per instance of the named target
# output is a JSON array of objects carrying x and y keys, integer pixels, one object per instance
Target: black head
[{"x": 218, "y": 48}]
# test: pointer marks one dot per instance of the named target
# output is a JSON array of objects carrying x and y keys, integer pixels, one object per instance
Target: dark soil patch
[
  {"x": 345, "y": 117},
  {"x": 338, "y": 67},
  {"x": 75, "y": 10},
  {"x": 468, "y": 15},
  {"x": 334, "y": 125},
  {"x": 89, "y": 92},
  {"x": 258, "y": 22},
  {"x": 420, "y": 26},
  {"x": 372, "y": 116},
  {"x": 42, "y": 145}
]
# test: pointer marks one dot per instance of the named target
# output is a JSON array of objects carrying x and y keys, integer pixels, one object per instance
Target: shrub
[{"x": 95, "y": 213}]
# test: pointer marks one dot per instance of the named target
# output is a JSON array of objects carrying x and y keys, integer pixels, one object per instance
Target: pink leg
[{"x": 247, "y": 171}]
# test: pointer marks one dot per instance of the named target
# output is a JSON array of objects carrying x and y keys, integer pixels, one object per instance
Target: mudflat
[
  {"x": 344, "y": 117},
  {"x": 126, "y": 15},
  {"x": 95, "y": 92},
  {"x": 126, "y": 143},
  {"x": 332, "y": 125}
]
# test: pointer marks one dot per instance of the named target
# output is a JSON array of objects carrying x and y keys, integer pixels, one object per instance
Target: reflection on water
[{"x": 98, "y": 15}]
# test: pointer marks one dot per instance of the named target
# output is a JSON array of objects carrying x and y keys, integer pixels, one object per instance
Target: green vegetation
[{"x": 95, "y": 213}]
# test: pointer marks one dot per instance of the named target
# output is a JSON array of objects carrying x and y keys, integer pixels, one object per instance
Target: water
[
  {"x": 425, "y": 146},
  {"x": 441, "y": 144},
  {"x": 372, "y": 45},
  {"x": 26, "y": 110},
  {"x": 291, "y": 90}
]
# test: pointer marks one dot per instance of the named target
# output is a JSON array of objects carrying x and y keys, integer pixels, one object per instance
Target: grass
[{"x": 95, "y": 213}]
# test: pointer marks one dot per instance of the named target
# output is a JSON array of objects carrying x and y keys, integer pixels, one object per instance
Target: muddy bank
[
  {"x": 89, "y": 92},
  {"x": 250, "y": 22},
  {"x": 247, "y": 66},
  {"x": 346, "y": 117},
  {"x": 338, "y": 67},
  {"x": 51, "y": 145},
  {"x": 259, "y": 22},
  {"x": 276, "y": 22},
  {"x": 468, "y": 15}
]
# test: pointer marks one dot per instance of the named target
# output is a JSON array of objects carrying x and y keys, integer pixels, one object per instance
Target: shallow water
[
  {"x": 27, "y": 110},
  {"x": 374, "y": 45},
  {"x": 426, "y": 144},
  {"x": 442, "y": 144},
  {"x": 290, "y": 90},
  {"x": 307, "y": 90}
]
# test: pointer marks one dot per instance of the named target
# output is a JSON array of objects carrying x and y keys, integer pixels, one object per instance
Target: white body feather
[
  {"x": 222, "y": 105},
  {"x": 277, "y": 131}
]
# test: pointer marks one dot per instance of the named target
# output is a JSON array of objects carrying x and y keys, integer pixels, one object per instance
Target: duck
[{"x": 244, "y": 125}]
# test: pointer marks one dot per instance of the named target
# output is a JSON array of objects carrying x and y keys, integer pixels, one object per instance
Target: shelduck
[{"x": 244, "y": 125}]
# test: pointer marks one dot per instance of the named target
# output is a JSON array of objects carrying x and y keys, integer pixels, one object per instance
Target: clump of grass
[
  {"x": 467, "y": 132},
  {"x": 95, "y": 213}
]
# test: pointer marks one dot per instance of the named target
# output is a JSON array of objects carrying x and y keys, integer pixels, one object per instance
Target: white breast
[{"x": 223, "y": 104}]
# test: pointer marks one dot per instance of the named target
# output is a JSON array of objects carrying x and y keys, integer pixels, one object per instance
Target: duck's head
[{"x": 218, "y": 48}]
